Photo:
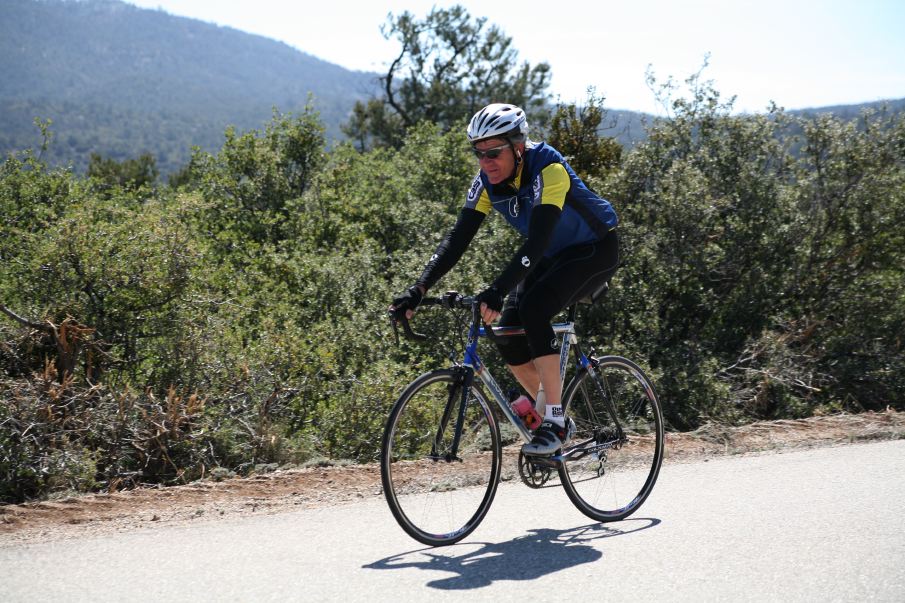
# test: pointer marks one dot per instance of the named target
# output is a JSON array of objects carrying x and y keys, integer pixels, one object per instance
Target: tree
[
  {"x": 130, "y": 174},
  {"x": 574, "y": 130},
  {"x": 448, "y": 67},
  {"x": 251, "y": 182}
]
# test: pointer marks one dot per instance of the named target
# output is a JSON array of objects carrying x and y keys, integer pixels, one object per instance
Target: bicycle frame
[
  {"x": 473, "y": 365},
  {"x": 565, "y": 331}
]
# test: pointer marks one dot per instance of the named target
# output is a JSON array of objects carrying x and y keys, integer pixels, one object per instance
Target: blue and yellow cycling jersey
[{"x": 544, "y": 177}]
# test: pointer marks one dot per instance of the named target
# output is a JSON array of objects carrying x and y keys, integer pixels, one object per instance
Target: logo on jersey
[
  {"x": 526, "y": 261},
  {"x": 514, "y": 206},
  {"x": 475, "y": 191},
  {"x": 537, "y": 188}
]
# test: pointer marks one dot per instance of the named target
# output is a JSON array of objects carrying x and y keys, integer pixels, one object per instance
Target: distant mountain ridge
[
  {"x": 111, "y": 75},
  {"x": 121, "y": 80},
  {"x": 852, "y": 111}
]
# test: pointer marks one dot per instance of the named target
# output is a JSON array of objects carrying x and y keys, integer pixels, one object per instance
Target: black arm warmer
[
  {"x": 544, "y": 219},
  {"x": 452, "y": 247}
]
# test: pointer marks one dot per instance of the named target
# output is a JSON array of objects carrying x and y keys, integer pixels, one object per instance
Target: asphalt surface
[{"x": 815, "y": 525}]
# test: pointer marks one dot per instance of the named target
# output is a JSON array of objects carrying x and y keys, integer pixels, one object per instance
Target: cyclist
[{"x": 570, "y": 249}]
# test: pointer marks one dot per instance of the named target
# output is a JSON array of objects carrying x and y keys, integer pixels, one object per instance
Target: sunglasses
[{"x": 491, "y": 153}]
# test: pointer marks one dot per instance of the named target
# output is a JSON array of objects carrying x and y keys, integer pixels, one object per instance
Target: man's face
[{"x": 499, "y": 161}]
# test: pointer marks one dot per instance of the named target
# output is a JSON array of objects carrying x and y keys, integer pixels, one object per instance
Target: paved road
[{"x": 817, "y": 525}]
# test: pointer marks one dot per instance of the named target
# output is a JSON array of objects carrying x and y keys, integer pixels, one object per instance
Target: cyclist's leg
[
  {"x": 527, "y": 376},
  {"x": 554, "y": 285},
  {"x": 514, "y": 348},
  {"x": 569, "y": 276},
  {"x": 517, "y": 353}
]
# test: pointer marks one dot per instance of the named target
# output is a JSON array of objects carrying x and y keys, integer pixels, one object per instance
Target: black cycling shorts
[{"x": 556, "y": 283}]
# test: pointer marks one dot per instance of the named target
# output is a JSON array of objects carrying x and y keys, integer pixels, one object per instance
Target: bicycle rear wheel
[
  {"x": 439, "y": 500},
  {"x": 614, "y": 458}
]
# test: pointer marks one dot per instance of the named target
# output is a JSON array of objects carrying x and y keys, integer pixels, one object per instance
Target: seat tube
[{"x": 568, "y": 338}]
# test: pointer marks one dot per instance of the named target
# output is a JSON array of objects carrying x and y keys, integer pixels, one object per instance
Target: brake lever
[
  {"x": 409, "y": 333},
  {"x": 406, "y": 328},
  {"x": 392, "y": 318}
]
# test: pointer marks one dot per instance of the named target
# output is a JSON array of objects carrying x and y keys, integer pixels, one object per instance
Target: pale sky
[{"x": 797, "y": 53}]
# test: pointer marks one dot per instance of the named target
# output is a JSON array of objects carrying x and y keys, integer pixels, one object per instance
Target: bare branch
[
  {"x": 391, "y": 99},
  {"x": 25, "y": 321}
]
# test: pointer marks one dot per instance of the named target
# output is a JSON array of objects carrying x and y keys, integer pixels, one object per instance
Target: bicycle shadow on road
[{"x": 528, "y": 557}]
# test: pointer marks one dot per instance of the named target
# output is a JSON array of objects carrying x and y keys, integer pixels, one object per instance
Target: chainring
[{"x": 533, "y": 473}]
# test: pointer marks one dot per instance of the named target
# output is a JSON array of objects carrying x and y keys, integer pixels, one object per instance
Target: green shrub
[{"x": 157, "y": 335}]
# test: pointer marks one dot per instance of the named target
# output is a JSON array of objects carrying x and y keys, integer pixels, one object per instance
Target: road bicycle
[{"x": 442, "y": 449}]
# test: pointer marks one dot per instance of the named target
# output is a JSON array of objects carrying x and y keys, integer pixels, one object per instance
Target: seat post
[{"x": 573, "y": 312}]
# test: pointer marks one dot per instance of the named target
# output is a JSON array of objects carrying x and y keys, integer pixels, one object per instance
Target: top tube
[{"x": 558, "y": 328}]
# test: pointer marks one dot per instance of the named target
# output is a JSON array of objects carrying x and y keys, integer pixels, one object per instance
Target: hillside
[
  {"x": 121, "y": 80},
  {"x": 847, "y": 112}
]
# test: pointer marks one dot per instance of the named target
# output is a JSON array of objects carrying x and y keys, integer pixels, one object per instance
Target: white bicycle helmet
[{"x": 499, "y": 120}]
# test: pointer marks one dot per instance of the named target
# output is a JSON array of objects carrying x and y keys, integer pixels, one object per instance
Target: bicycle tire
[
  {"x": 608, "y": 476},
  {"x": 436, "y": 500}
]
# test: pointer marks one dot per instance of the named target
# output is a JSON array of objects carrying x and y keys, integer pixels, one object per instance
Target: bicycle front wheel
[
  {"x": 439, "y": 496},
  {"x": 614, "y": 458}
]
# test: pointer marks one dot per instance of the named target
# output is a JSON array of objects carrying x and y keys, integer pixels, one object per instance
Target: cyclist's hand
[
  {"x": 404, "y": 305},
  {"x": 491, "y": 304}
]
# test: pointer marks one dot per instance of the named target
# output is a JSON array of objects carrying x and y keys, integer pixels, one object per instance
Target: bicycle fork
[{"x": 458, "y": 391}]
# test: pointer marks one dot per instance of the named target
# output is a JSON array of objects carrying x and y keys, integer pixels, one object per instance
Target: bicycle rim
[
  {"x": 609, "y": 473},
  {"x": 438, "y": 500}
]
